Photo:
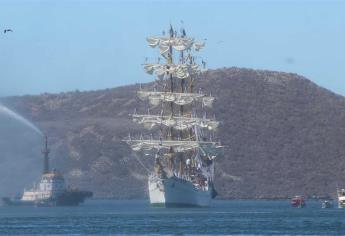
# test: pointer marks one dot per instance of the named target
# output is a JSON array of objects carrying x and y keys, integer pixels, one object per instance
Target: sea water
[{"x": 106, "y": 217}]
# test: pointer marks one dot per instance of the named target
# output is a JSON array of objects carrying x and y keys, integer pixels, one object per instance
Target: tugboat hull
[
  {"x": 16, "y": 202},
  {"x": 73, "y": 198},
  {"x": 68, "y": 198}
]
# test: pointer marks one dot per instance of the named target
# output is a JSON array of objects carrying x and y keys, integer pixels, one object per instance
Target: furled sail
[
  {"x": 181, "y": 71},
  {"x": 178, "y": 43},
  {"x": 178, "y": 98},
  {"x": 175, "y": 145},
  {"x": 178, "y": 122}
]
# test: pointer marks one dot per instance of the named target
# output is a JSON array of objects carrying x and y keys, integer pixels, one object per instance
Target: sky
[{"x": 65, "y": 45}]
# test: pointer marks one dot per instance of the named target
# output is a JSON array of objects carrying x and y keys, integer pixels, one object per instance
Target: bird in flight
[{"x": 7, "y": 30}]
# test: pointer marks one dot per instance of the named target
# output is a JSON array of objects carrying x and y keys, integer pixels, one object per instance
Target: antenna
[{"x": 45, "y": 153}]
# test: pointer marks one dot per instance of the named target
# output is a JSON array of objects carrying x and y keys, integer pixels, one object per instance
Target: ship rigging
[{"x": 184, "y": 157}]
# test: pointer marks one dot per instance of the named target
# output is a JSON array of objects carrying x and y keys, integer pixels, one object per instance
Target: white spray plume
[{"x": 7, "y": 111}]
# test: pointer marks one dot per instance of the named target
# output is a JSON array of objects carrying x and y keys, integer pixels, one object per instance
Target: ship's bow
[
  {"x": 176, "y": 192},
  {"x": 156, "y": 191}
]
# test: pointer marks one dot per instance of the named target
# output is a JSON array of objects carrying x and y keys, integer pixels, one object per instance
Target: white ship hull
[{"x": 175, "y": 192}]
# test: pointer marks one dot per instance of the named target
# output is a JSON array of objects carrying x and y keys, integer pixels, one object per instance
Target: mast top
[
  {"x": 171, "y": 31},
  {"x": 46, "y": 152}
]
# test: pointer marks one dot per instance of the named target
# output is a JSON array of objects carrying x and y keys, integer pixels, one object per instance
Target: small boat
[
  {"x": 327, "y": 204},
  {"x": 341, "y": 198},
  {"x": 298, "y": 201}
]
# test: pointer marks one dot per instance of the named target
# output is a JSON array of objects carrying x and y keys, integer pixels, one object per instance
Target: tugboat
[
  {"x": 51, "y": 191},
  {"x": 298, "y": 201}
]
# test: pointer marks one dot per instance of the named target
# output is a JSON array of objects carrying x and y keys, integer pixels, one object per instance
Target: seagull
[{"x": 7, "y": 30}]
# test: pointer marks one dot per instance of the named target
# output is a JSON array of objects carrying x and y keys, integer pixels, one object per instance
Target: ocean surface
[{"x": 106, "y": 217}]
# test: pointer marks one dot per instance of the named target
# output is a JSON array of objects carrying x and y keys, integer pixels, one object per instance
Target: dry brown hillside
[{"x": 283, "y": 136}]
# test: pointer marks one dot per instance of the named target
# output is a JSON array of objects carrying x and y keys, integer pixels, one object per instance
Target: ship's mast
[
  {"x": 45, "y": 153},
  {"x": 170, "y": 155},
  {"x": 180, "y": 155},
  {"x": 170, "y": 62}
]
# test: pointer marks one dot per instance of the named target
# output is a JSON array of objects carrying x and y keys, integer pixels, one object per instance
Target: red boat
[{"x": 298, "y": 201}]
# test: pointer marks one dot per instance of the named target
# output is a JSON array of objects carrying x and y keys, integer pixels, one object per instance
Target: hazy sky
[{"x": 66, "y": 45}]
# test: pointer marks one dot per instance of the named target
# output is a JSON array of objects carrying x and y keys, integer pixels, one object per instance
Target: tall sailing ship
[{"x": 182, "y": 146}]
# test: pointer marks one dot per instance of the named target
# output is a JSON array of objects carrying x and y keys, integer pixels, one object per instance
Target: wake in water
[{"x": 5, "y": 110}]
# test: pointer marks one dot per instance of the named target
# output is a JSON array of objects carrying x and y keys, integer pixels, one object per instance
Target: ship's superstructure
[
  {"x": 51, "y": 186},
  {"x": 51, "y": 190},
  {"x": 182, "y": 131}
]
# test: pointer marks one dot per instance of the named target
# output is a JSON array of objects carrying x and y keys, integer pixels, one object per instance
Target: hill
[{"x": 283, "y": 136}]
